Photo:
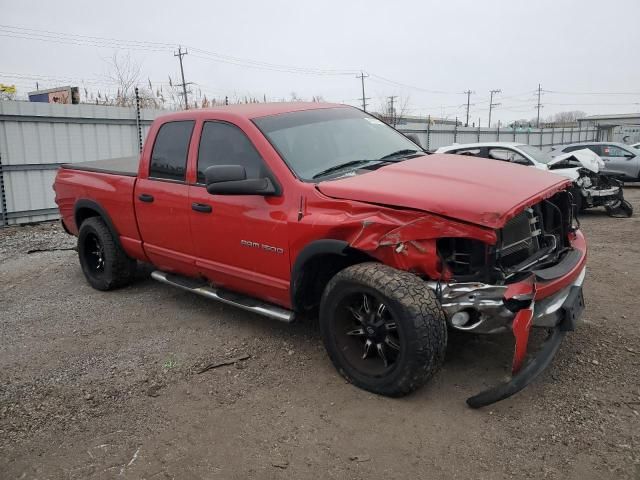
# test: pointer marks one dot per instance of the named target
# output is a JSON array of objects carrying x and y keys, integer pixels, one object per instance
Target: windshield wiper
[
  {"x": 404, "y": 152},
  {"x": 341, "y": 166}
]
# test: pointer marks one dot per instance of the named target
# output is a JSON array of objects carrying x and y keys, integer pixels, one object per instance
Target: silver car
[
  {"x": 591, "y": 188},
  {"x": 620, "y": 160}
]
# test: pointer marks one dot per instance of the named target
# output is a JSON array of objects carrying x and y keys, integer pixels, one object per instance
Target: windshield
[
  {"x": 535, "y": 153},
  {"x": 315, "y": 143}
]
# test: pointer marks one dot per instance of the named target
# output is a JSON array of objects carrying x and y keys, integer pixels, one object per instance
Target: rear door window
[{"x": 169, "y": 154}]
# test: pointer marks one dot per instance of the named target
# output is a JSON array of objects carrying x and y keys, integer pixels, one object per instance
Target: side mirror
[
  {"x": 522, "y": 161},
  {"x": 414, "y": 138},
  {"x": 232, "y": 180}
]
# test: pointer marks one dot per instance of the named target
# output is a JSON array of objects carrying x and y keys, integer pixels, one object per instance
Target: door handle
[
  {"x": 201, "y": 207},
  {"x": 145, "y": 197}
]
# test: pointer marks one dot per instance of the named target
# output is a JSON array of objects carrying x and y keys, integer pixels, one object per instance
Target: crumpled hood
[
  {"x": 587, "y": 158},
  {"x": 474, "y": 190}
]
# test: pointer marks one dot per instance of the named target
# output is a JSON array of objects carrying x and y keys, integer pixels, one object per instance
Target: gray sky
[{"x": 410, "y": 48}]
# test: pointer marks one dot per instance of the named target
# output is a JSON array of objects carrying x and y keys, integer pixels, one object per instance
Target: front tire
[
  {"x": 104, "y": 264},
  {"x": 383, "y": 328}
]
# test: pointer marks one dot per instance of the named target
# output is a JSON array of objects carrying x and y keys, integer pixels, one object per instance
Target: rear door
[
  {"x": 162, "y": 202},
  {"x": 241, "y": 241}
]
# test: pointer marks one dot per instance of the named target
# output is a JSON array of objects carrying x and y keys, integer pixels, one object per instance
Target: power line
[
  {"x": 104, "y": 42},
  {"x": 393, "y": 82},
  {"x": 590, "y": 93},
  {"x": 362, "y": 76},
  {"x": 392, "y": 110},
  {"x": 468, "y": 92},
  {"x": 491, "y": 104},
  {"x": 539, "y": 105},
  {"x": 181, "y": 54}
]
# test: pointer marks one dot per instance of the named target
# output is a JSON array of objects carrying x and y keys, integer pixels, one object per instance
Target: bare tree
[
  {"x": 124, "y": 72},
  {"x": 391, "y": 112},
  {"x": 568, "y": 117}
]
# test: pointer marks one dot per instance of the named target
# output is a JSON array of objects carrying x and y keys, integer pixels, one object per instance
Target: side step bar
[{"x": 247, "y": 303}]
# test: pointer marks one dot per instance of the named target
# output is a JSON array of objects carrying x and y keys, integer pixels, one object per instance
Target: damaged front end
[
  {"x": 531, "y": 277},
  {"x": 601, "y": 190},
  {"x": 592, "y": 188},
  {"x": 510, "y": 269}
]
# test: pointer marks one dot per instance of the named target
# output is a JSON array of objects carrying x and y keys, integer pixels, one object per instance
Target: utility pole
[
  {"x": 539, "y": 106},
  {"x": 181, "y": 54},
  {"x": 491, "y": 104},
  {"x": 468, "y": 92},
  {"x": 362, "y": 76},
  {"x": 391, "y": 109}
]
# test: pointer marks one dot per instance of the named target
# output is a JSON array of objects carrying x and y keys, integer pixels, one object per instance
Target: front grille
[
  {"x": 520, "y": 237},
  {"x": 535, "y": 234},
  {"x": 534, "y": 238}
]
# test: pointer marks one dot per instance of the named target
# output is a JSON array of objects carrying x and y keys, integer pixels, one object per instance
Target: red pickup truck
[{"x": 282, "y": 209}]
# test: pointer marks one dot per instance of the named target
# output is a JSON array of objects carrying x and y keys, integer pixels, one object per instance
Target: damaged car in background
[
  {"x": 592, "y": 187},
  {"x": 323, "y": 210}
]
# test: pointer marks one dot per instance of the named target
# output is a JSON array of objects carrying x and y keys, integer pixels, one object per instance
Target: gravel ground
[{"x": 102, "y": 385}]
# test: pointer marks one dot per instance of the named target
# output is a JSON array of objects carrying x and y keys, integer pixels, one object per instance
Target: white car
[{"x": 592, "y": 188}]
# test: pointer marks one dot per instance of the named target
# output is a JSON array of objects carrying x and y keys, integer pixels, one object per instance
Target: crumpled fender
[
  {"x": 402, "y": 238},
  {"x": 411, "y": 245}
]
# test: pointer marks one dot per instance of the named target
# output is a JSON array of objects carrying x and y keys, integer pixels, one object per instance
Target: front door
[
  {"x": 161, "y": 201},
  {"x": 620, "y": 161},
  {"x": 240, "y": 241}
]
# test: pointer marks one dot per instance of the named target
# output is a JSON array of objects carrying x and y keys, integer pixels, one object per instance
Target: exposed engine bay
[
  {"x": 536, "y": 238},
  {"x": 591, "y": 187}
]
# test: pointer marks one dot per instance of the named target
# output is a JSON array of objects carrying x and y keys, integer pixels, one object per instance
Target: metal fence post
[
  {"x": 138, "y": 125},
  {"x": 498, "y": 132},
  {"x": 455, "y": 131},
  {"x": 3, "y": 198},
  {"x": 579, "y": 133},
  {"x": 541, "y": 136},
  {"x": 429, "y": 133},
  {"x": 553, "y": 131},
  {"x": 562, "y": 137},
  {"x": 478, "y": 130},
  {"x": 514, "y": 131}
]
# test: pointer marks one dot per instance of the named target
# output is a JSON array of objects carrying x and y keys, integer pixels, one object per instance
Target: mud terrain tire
[
  {"x": 104, "y": 264},
  {"x": 419, "y": 328}
]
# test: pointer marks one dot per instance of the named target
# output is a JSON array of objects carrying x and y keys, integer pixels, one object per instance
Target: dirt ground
[{"x": 104, "y": 385}]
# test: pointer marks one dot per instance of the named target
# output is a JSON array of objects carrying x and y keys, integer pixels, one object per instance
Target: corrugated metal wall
[{"x": 37, "y": 137}]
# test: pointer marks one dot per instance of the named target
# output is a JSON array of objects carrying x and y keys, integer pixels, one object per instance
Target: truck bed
[{"x": 127, "y": 166}]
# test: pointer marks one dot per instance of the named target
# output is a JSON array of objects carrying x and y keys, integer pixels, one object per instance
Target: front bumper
[
  {"x": 493, "y": 308},
  {"x": 549, "y": 298},
  {"x": 490, "y": 311}
]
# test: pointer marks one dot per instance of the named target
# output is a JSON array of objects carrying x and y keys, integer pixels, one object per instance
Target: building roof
[{"x": 613, "y": 116}]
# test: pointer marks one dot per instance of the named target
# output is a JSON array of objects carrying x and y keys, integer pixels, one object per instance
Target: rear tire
[
  {"x": 383, "y": 328},
  {"x": 104, "y": 264}
]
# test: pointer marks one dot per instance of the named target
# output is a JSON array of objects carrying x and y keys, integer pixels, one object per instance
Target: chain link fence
[{"x": 433, "y": 137}]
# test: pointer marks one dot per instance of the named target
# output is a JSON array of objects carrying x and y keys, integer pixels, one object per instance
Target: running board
[{"x": 237, "y": 300}]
